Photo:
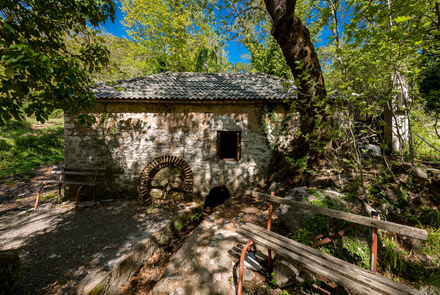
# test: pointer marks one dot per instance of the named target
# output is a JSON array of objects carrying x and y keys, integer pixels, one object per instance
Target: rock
[
  {"x": 416, "y": 247},
  {"x": 421, "y": 174},
  {"x": 87, "y": 204},
  {"x": 224, "y": 262},
  {"x": 384, "y": 209},
  {"x": 321, "y": 181},
  {"x": 274, "y": 187},
  {"x": 286, "y": 272},
  {"x": 204, "y": 242},
  {"x": 407, "y": 209},
  {"x": 248, "y": 275},
  {"x": 217, "y": 276},
  {"x": 293, "y": 217},
  {"x": 368, "y": 149},
  {"x": 391, "y": 195},
  {"x": 9, "y": 270}
]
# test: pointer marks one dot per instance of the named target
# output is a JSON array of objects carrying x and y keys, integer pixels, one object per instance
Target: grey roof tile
[{"x": 195, "y": 86}]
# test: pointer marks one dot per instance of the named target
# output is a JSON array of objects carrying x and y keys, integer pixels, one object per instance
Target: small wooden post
[{"x": 373, "y": 257}]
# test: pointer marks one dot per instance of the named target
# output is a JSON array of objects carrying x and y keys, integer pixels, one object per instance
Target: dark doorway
[{"x": 217, "y": 196}]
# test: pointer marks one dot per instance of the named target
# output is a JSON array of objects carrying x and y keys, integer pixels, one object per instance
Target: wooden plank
[
  {"x": 77, "y": 173},
  {"x": 83, "y": 168},
  {"x": 301, "y": 249},
  {"x": 309, "y": 263},
  {"x": 71, "y": 182},
  {"x": 386, "y": 225}
]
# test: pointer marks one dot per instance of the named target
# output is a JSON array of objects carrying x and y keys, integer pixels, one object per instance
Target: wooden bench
[
  {"x": 63, "y": 171},
  {"x": 359, "y": 280}
]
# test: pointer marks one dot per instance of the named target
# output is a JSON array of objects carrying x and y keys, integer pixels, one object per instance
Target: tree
[
  {"x": 267, "y": 57},
  {"x": 311, "y": 103},
  {"x": 176, "y": 34},
  {"x": 295, "y": 41},
  {"x": 39, "y": 71},
  {"x": 126, "y": 60}
]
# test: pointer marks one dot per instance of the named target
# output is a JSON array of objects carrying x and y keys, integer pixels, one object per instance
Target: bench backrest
[{"x": 386, "y": 225}]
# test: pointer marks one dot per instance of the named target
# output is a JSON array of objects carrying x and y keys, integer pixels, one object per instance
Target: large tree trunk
[{"x": 295, "y": 42}]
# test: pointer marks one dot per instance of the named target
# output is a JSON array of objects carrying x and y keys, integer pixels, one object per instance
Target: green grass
[
  {"x": 23, "y": 148},
  {"x": 423, "y": 125}
]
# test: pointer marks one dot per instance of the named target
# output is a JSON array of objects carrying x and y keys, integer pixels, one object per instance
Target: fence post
[{"x": 373, "y": 257}]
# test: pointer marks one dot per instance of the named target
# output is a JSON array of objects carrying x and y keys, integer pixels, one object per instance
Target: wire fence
[{"x": 435, "y": 156}]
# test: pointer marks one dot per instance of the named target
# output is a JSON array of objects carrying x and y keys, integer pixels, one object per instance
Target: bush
[{"x": 10, "y": 269}]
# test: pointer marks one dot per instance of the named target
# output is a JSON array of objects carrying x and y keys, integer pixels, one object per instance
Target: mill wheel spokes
[{"x": 166, "y": 181}]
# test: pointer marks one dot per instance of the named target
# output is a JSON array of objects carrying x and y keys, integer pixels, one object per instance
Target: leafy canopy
[
  {"x": 47, "y": 55},
  {"x": 176, "y": 35}
]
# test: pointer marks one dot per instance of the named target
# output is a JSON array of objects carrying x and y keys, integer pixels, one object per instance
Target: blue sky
[{"x": 117, "y": 29}]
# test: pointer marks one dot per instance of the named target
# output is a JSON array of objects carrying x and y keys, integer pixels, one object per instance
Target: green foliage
[
  {"x": 392, "y": 258},
  {"x": 300, "y": 163},
  {"x": 273, "y": 280},
  {"x": 23, "y": 148},
  {"x": 40, "y": 69},
  {"x": 424, "y": 125},
  {"x": 196, "y": 216},
  {"x": 432, "y": 248},
  {"x": 179, "y": 224},
  {"x": 52, "y": 196},
  {"x": 432, "y": 280},
  {"x": 9, "y": 276},
  {"x": 267, "y": 57},
  {"x": 175, "y": 36},
  {"x": 429, "y": 79}
]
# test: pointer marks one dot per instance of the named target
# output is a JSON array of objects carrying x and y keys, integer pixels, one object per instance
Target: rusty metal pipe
[
  {"x": 77, "y": 197},
  {"x": 39, "y": 193},
  {"x": 269, "y": 223},
  {"x": 373, "y": 256},
  {"x": 240, "y": 276},
  {"x": 59, "y": 189}
]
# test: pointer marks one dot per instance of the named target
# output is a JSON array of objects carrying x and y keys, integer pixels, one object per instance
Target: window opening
[{"x": 228, "y": 145}]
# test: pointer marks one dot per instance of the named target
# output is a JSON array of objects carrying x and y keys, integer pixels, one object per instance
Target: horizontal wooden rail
[
  {"x": 70, "y": 182},
  {"x": 80, "y": 168},
  {"x": 360, "y": 280},
  {"x": 77, "y": 173},
  {"x": 386, "y": 225}
]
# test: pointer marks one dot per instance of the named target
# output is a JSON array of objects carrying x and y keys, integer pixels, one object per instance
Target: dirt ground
[
  {"x": 237, "y": 211},
  {"x": 59, "y": 248}
]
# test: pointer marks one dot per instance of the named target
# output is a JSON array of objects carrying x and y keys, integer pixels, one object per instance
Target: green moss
[{"x": 96, "y": 290}]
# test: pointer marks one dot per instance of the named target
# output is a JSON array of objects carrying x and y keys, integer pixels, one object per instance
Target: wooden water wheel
[{"x": 166, "y": 180}]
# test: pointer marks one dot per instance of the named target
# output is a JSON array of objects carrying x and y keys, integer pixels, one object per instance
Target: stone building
[{"x": 217, "y": 124}]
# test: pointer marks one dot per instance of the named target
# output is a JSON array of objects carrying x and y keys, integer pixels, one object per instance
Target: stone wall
[{"x": 128, "y": 135}]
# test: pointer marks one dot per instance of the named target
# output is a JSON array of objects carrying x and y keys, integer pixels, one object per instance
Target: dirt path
[{"x": 61, "y": 249}]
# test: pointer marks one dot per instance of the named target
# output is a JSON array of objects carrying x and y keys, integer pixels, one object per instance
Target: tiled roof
[{"x": 194, "y": 86}]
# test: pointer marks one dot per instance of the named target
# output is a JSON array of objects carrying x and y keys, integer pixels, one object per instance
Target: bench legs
[
  {"x": 245, "y": 248},
  {"x": 39, "y": 194},
  {"x": 77, "y": 197}
]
